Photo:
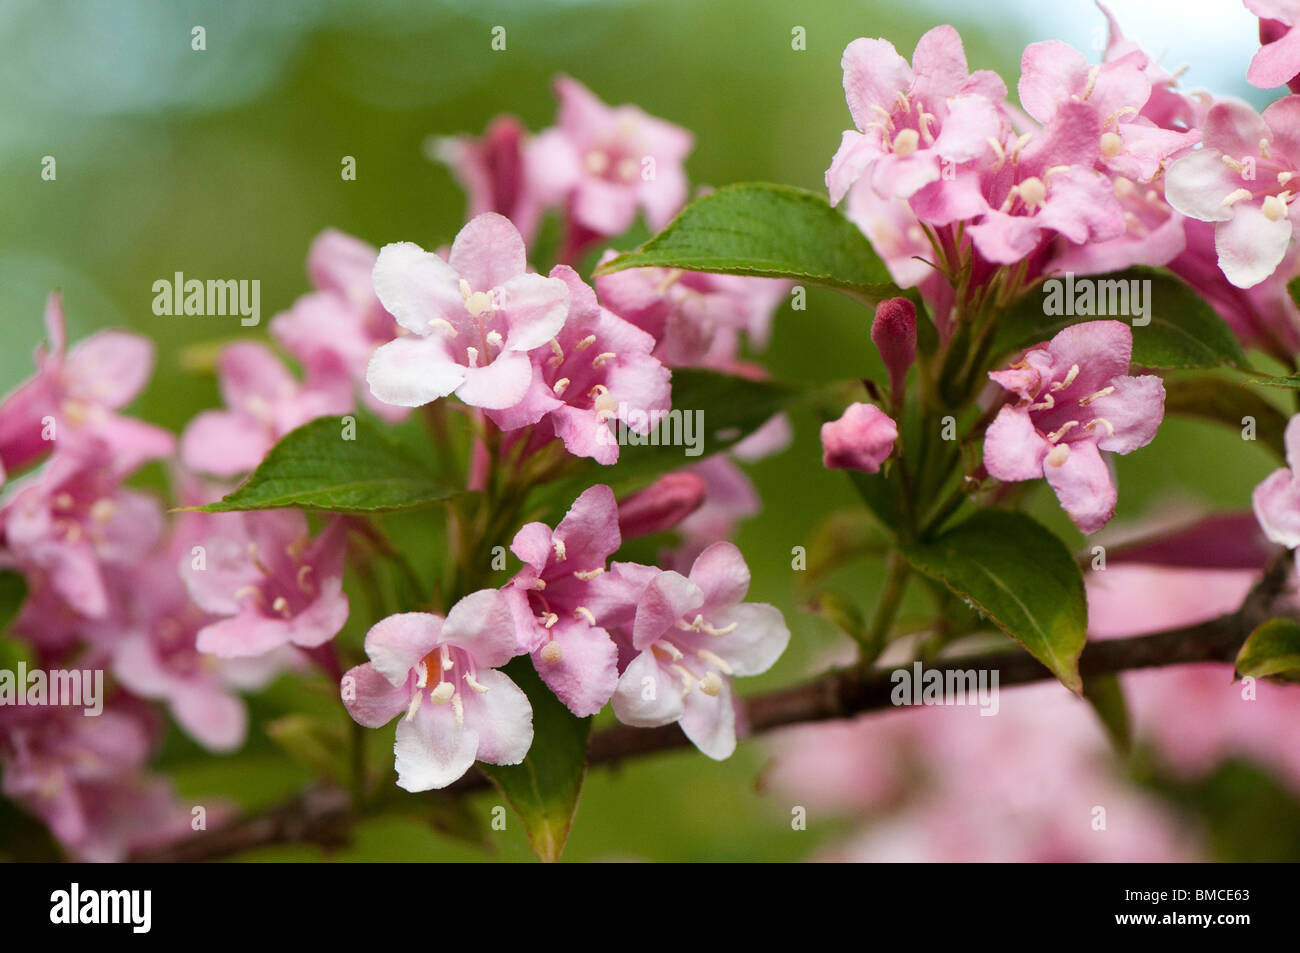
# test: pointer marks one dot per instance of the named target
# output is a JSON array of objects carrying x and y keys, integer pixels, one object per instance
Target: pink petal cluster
[
  {"x": 602, "y": 164},
  {"x": 334, "y": 330},
  {"x": 268, "y": 582},
  {"x": 263, "y": 403},
  {"x": 1277, "y": 62},
  {"x": 1240, "y": 181},
  {"x": 441, "y": 676},
  {"x": 74, "y": 397},
  {"x": 1277, "y": 499},
  {"x": 1074, "y": 398}
]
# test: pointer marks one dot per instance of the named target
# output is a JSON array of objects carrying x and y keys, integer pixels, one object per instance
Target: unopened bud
[
  {"x": 661, "y": 505},
  {"x": 894, "y": 334}
]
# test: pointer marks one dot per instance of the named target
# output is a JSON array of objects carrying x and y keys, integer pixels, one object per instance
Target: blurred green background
[{"x": 225, "y": 163}]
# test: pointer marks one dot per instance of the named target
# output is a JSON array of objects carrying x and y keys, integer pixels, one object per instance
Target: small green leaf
[
  {"x": 1184, "y": 331},
  {"x": 1022, "y": 577},
  {"x": 315, "y": 468},
  {"x": 13, "y": 592},
  {"x": 1273, "y": 649},
  {"x": 544, "y": 789},
  {"x": 880, "y": 495},
  {"x": 1226, "y": 403},
  {"x": 772, "y": 231},
  {"x": 1106, "y": 695}
]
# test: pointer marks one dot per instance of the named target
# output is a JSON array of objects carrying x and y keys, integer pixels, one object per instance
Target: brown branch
[{"x": 323, "y": 815}]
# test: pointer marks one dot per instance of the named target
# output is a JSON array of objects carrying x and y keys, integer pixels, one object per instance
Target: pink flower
[
  {"x": 551, "y": 598},
  {"x": 688, "y": 637},
  {"x": 1262, "y": 315},
  {"x": 696, "y": 319},
  {"x": 862, "y": 439},
  {"x": 335, "y": 330},
  {"x": 911, "y": 120},
  {"x": 79, "y": 389},
  {"x": 83, "y": 777},
  {"x": 598, "y": 368},
  {"x": 1240, "y": 181},
  {"x": 1277, "y": 62},
  {"x": 264, "y": 402},
  {"x": 1054, "y": 74},
  {"x": 1277, "y": 499},
  {"x": 1074, "y": 399},
  {"x": 270, "y": 583},
  {"x": 472, "y": 319},
  {"x": 74, "y": 519},
  {"x": 602, "y": 163},
  {"x": 491, "y": 170},
  {"x": 1041, "y": 182},
  {"x": 442, "y": 674}
]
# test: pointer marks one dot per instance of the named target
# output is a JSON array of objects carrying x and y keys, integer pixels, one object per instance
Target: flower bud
[
  {"x": 894, "y": 334},
  {"x": 661, "y": 505},
  {"x": 861, "y": 439}
]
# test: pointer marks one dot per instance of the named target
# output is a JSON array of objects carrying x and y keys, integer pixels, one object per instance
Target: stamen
[
  {"x": 558, "y": 545},
  {"x": 1056, "y": 435},
  {"x": 281, "y": 605},
  {"x": 1234, "y": 197},
  {"x": 560, "y": 386},
  {"x": 1084, "y": 402},
  {"x": 1068, "y": 379},
  {"x": 585, "y": 613},
  {"x": 303, "y": 584},
  {"x": 601, "y": 358},
  {"x": 457, "y": 707},
  {"x": 1058, "y": 455},
  {"x": 415, "y": 705},
  {"x": 717, "y": 661},
  {"x": 471, "y": 356},
  {"x": 1110, "y": 428},
  {"x": 1233, "y": 164},
  {"x": 585, "y": 343},
  {"x": 421, "y": 675},
  {"x": 586, "y": 574},
  {"x": 442, "y": 324},
  {"x": 549, "y": 620},
  {"x": 475, "y": 684},
  {"x": 495, "y": 339}
]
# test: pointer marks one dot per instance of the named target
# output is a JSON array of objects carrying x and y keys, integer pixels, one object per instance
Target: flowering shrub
[{"x": 433, "y": 488}]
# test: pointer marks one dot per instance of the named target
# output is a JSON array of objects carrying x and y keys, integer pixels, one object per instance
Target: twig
[{"x": 322, "y": 815}]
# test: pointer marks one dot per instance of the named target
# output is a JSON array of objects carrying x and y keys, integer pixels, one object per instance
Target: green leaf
[
  {"x": 1022, "y": 577},
  {"x": 13, "y": 592},
  {"x": 1184, "y": 331},
  {"x": 544, "y": 789},
  {"x": 315, "y": 468},
  {"x": 1273, "y": 649},
  {"x": 1106, "y": 695},
  {"x": 717, "y": 411},
  {"x": 1226, "y": 403},
  {"x": 318, "y": 745},
  {"x": 880, "y": 495},
  {"x": 772, "y": 231}
]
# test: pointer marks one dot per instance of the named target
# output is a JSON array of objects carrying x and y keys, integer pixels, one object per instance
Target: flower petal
[
  {"x": 1083, "y": 485},
  {"x": 431, "y": 750},
  {"x": 395, "y": 645}
]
